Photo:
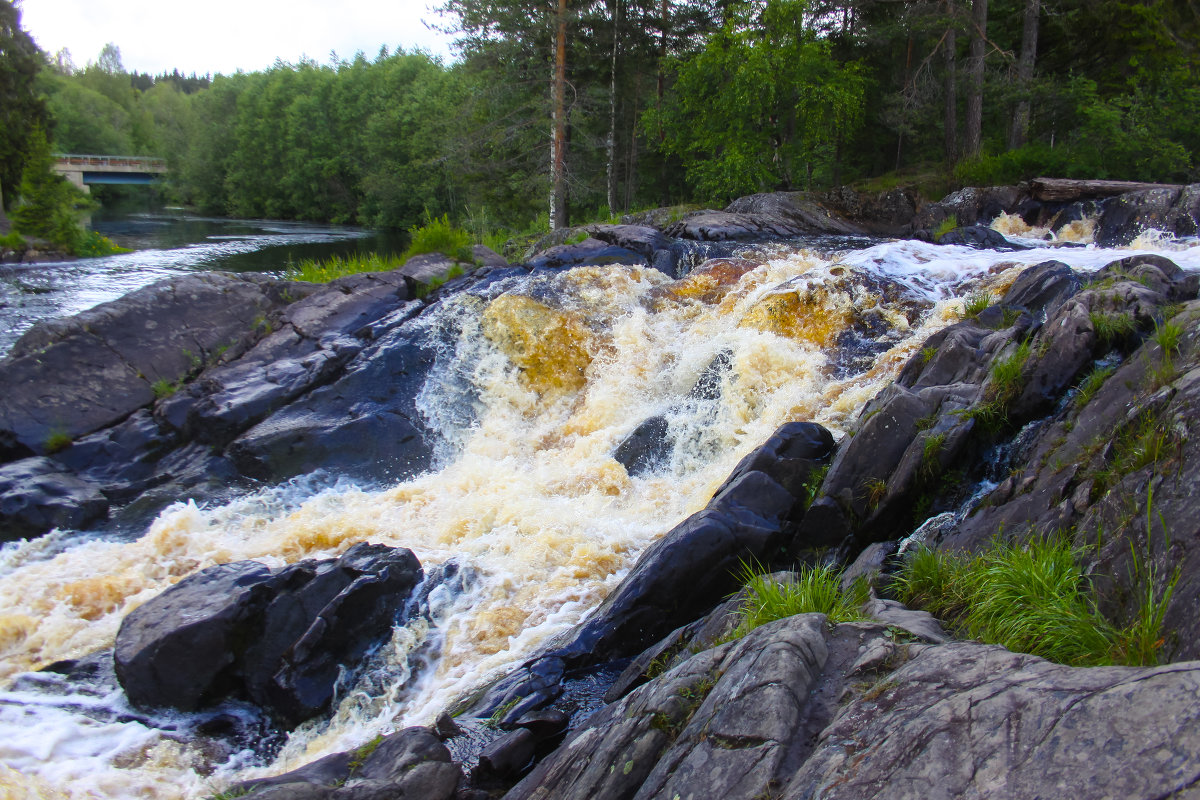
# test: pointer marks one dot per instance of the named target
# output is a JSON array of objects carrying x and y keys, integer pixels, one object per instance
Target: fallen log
[{"x": 1064, "y": 189}]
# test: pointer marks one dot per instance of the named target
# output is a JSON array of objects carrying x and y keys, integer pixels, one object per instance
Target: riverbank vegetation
[{"x": 651, "y": 104}]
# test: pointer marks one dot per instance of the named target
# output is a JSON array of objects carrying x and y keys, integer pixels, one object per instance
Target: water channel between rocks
[{"x": 528, "y": 500}]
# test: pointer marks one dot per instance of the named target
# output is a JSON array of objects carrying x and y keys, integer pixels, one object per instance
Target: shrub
[{"x": 437, "y": 235}]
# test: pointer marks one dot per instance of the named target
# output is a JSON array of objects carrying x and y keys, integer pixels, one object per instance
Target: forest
[{"x": 571, "y": 110}]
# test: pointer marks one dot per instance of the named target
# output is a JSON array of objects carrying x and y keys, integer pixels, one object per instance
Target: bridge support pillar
[{"x": 75, "y": 176}]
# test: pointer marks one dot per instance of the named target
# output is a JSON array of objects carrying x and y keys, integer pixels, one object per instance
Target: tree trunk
[
  {"x": 558, "y": 135},
  {"x": 950, "y": 54},
  {"x": 974, "y": 142},
  {"x": 1025, "y": 64},
  {"x": 611, "y": 143},
  {"x": 1066, "y": 189}
]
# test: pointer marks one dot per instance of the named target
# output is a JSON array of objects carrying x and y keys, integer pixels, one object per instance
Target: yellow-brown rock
[{"x": 550, "y": 347}]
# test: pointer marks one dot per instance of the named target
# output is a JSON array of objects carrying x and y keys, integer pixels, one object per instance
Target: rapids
[{"x": 530, "y": 399}]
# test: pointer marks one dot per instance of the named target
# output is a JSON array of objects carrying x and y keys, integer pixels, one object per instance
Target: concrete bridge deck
[{"x": 84, "y": 170}]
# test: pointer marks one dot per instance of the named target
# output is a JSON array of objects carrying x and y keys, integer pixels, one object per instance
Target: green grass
[
  {"x": 944, "y": 227},
  {"x": 1167, "y": 335},
  {"x": 1112, "y": 329},
  {"x": 1033, "y": 599},
  {"x": 1003, "y": 388},
  {"x": 426, "y": 289},
  {"x": 163, "y": 388},
  {"x": 57, "y": 440},
  {"x": 1137, "y": 445},
  {"x": 927, "y": 353},
  {"x": 975, "y": 304},
  {"x": 1092, "y": 383},
  {"x": 326, "y": 270},
  {"x": 817, "y": 589},
  {"x": 932, "y": 448},
  {"x": 13, "y": 241},
  {"x": 437, "y": 235},
  {"x": 93, "y": 245}
]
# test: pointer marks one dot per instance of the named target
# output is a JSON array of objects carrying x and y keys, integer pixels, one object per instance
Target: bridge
[{"x": 85, "y": 170}]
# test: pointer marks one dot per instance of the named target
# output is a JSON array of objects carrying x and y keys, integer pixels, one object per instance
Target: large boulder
[
  {"x": 410, "y": 764},
  {"x": 277, "y": 637},
  {"x": 771, "y": 215},
  {"x": 1129, "y": 215},
  {"x": 800, "y": 709},
  {"x": 37, "y": 494}
]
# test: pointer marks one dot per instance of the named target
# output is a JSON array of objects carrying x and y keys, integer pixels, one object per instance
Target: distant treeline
[{"x": 595, "y": 107}]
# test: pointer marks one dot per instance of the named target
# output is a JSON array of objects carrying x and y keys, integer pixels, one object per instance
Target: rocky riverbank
[{"x": 212, "y": 381}]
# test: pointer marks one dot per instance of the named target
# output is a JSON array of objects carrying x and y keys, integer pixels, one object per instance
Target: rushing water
[
  {"x": 164, "y": 244},
  {"x": 528, "y": 500}
]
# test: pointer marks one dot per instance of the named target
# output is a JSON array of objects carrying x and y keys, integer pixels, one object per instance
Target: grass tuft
[
  {"x": 817, "y": 589},
  {"x": 1112, "y": 329},
  {"x": 975, "y": 304},
  {"x": 437, "y": 235},
  {"x": 944, "y": 227},
  {"x": 1033, "y": 599},
  {"x": 1092, "y": 383},
  {"x": 56, "y": 441}
]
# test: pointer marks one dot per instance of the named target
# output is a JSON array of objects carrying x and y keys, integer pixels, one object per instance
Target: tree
[
  {"x": 21, "y": 109},
  {"x": 50, "y": 205},
  {"x": 763, "y": 106},
  {"x": 975, "y": 70}
]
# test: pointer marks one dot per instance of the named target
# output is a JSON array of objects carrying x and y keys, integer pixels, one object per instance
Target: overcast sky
[{"x": 227, "y": 35}]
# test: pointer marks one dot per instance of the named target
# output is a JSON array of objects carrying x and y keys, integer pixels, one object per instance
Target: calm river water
[{"x": 167, "y": 243}]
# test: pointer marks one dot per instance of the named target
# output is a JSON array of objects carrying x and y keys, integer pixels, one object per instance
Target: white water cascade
[{"x": 529, "y": 499}]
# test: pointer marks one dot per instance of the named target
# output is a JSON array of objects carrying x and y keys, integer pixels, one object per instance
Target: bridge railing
[{"x": 145, "y": 163}]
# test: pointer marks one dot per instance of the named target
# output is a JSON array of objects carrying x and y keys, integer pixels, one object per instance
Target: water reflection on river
[{"x": 165, "y": 244}]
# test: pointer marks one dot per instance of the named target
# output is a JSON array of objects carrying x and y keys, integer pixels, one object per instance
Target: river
[
  {"x": 530, "y": 503},
  {"x": 167, "y": 243}
]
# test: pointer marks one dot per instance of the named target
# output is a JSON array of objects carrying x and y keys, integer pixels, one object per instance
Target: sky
[{"x": 210, "y": 36}]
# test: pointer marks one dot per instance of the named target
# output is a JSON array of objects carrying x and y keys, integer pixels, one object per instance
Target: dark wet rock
[
  {"x": 772, "y": 215},
  {"x": 798, "y": 709},
  {"x": 887, "y": 213},
  {"x": 310, "y": 346},
  {"x": 277, "y": 637},
  {"x": 690, "y": 569},
  {"x": 1129, "y": 215},
  {"x": 589, "y": 252},
  {"x": 507, "y": 757},
  {"x": 78, "y": 374},
  {"x": 980, "y": 237},
  {"x": 969, "y": 206},
  {"x": 1184, "y": 217},
  {"x": 411, "y": 764},
  {"x": 1042, "y": 289},
  {"x": 487, "y": 257},
  {"x": 365, "y": 424},
  {"x": 647, "y": 448},
  {"x": 641, "y": 239},
  {"x": 37, "y": 494}
]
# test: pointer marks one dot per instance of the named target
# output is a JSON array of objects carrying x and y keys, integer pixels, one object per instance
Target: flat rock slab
[
  {"x": 73, "y": 376},
  {"x": 799, "y": 709}
]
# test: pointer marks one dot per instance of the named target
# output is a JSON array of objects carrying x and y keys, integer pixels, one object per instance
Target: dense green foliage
[
  {"x": 1033, "y": 599},
  {"x": 21, "y": 108},
  {"x": 668, "y": 102}
]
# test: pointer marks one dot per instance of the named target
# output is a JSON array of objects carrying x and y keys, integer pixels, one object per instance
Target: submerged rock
[{"x": 278, "y": 637}]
